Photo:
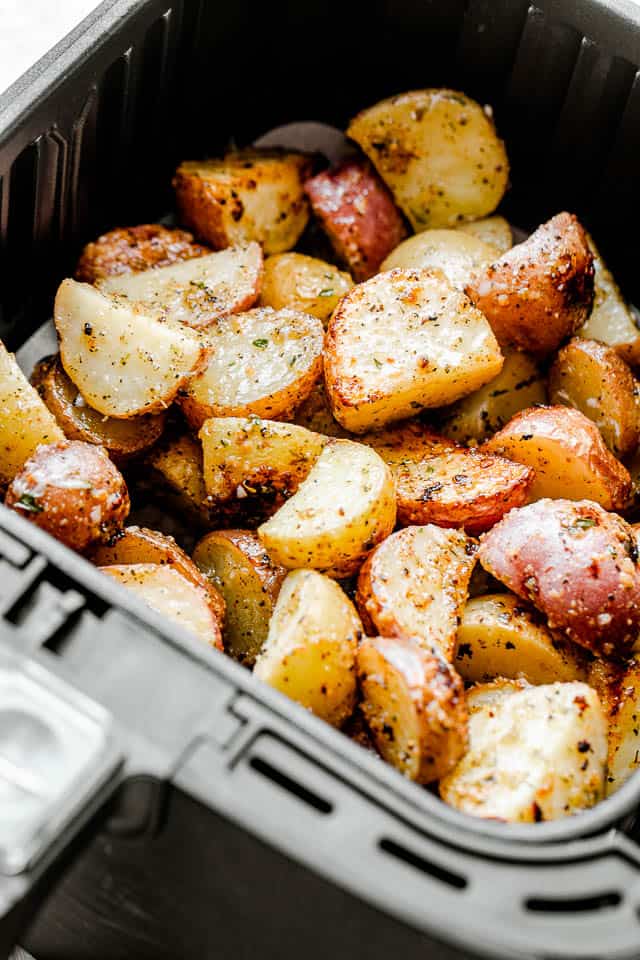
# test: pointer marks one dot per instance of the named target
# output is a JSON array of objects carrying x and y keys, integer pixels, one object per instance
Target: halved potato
[
  {"x": 500, "y": 636},
  {"x": 440, "y": 482},
  {"x": 132, "y": 249},
  {"x": 263, "y": 362},
  {"x": 622, "y": 704},
  {"x": 611, "y": 320},
  {"x": 402, "y": 341},
  {"x": 124, "y": 360},
  {"x": 175, "y": 472},
  {"x": 303, "y": 283},
  {"x": 413, "y": 702},
  {"x": 315, "y": 414},
  {"x": 341, "y": 511},
  {"x": 167, "y": 591},
  {"x": 568, "y": 455},
  {"x": 438, "y": 152},
  {"x": 310, "y": 651},
  {"x": 536, "y": 754},
  {"x": 457, "y": 254},
  {"x": 415, "y": 585},
  {"x": 236, "y": 564},
  {"x": 492, "y": 230}
]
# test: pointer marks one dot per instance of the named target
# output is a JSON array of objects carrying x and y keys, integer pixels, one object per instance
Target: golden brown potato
[
  {"x": 486, "y": 694},
  {"x": 594, "y": 379},
  {"x": 303, "y": 283},
  {"x": 577, "y": 564},
  {"x": 612, "y": 320},
  {"x": 73, "y": 491},
  {"x": 492, "y": 230},
  {"x": 413, "y": 702},
  {"x": 133, "y": 249},
  {"x": 457, "y": 254},
  {"x": 568, "y": 455},
  {"x": 438, "y": 152},
  {"x": 249, "y": 195},
  {"x": 541, "y": 291},
  {"x": 618, "y": 686},
  {"x": 237, "y": 565},
  {"x": 442, "y": 483},
  {"x": 174, "y": 470},
  {"x": 402, "y": 341},
  {"x": 415, "y": 585},
  {"x": 315, "y": 414}
]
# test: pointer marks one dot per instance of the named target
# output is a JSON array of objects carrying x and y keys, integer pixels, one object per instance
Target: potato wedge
[
  {"x": 540, "y": 292},
  {"x": 595, "y": 380},
  {"x": 438, "y": 152},
  {"x": 249, "y": 195},
  {"x": 123, "y": 360},
  {"x": 457, "y": 254},
  {"x": 568, "y": 455},
  {"x": 236, "y": 564},
  {"x": 492, "y": 230},
  {"x": 175, "y": 472},
  {"x": 264, "y": 362},
  {"x": 500, "y": 636},
  {"x": 486, "y": 694},
  {"x": 340, "y": 512},
  {"x": 415, "y": 585},
  {"x": 622, "y": 704},
  {"x": 303, "y": 283},
  {"x": 536, "y": 754},
  {"x": 310, "y": 651},
  {"x": 612, "y": 320},
  {"x": 577, "y": 564},
  {"x": 132, "y": 249},
  {"x": 198, "y": 291},
  {"x": 170, "y": 594},
  {"x": 315, "y": 414},
  {"x": 402, "y": 341},
  {"x": 358, "y": 215},
  {"x": 439, "y": 482}
]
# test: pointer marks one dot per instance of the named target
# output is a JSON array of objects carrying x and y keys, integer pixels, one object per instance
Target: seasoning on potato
[
  {"x": 303, "y": 283},
  {"x": 492, "y": 230},
  {"x": 133, "y": 249},
  {"x": 457, "y": 254},
  {"x": 612, "y": 320}
]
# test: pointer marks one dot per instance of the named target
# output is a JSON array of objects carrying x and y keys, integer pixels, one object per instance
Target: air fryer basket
[{"x": 88, "y": 140}]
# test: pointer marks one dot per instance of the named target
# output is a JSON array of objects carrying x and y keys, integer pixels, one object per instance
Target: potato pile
[{"x": 403, "y": 474}]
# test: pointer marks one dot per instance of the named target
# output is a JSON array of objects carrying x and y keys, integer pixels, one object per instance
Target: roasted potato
[
  {"x": 175, "y": 472},
  {"x": 415, "y": 585},
  {"x": 310, "y": 651},
  {"x": 358, "y": 215},
  {"x": 236, "y": 564},
  {"x": 124, "y": 360},
  {"x": 536, "y": 754},
  {"x": 303, "y": 283},
  {"x": 540, "y": 292},
  {"x": 594, "y": 379},
  {"x": 457, "y": 254},
  {"x": 486, "y": 694},
  {"x": 612, "y": 320},
  {"x": 249, "y": 195},
  {"x": 413, "y": 702},
  {"x": 492, "y": 230},
  {"x": 133, "y": 249},
  {"x": 439, "y": 482},
  {"x": 315, "y": 414},
  {"x": 577, "y": 564},
  {"x": 438, "y": 152},
  {"x": 567, "y": 453},
  {"x": 621, "y": 700},
  {"x": 340, "y": 512},
  {"x": 500, "y": 636},
  {"x": 402, "y": 341},
  {"x": 264, "y": 362},
  {"x": 73, "y": 491}
]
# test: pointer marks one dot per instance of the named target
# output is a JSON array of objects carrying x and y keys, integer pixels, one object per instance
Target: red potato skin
[
  {"x": 358, "y": 215},
  {"x": 134, "y": 249},
  {"x": 577, "y": 564}
]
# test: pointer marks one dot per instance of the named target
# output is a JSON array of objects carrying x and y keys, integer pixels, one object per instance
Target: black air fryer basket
[{"x": 162, "y": 803}]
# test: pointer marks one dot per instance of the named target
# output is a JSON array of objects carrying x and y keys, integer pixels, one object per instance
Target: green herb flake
[
  {"x": 377, "y": 362},
  {"x": 326, "y": 293},
  {"x": 261, "y": 343},
  {"x": 582, "y": 523},
  {"x": 29, "y": 503}
]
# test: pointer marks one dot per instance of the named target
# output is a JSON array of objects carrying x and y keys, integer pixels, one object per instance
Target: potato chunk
[
  {"x": 541, "y": 291},
  {"x": 402, "y": 341},
  {"x": 249, "y": 195},
  {"x": 622, "y": 704},
  {"x": 438, "y": 152},
  {"x": 413, "y": 702},
  {"x": 568, "y": 455},
  {"x": 537, "y": 754},
  {"x": 577, "y": 564},
  {"x": 611, "y": 320},
  {"x": 310, "y": 652},
  {"x": 264, "y": 362},
  {"x": 174, "y": 470},
  {"x": 124, "y": 361},
  {"x": 341, "y": 511},
  {"x": 315, "y": 414},
  {"x": 415, "y": 585},
  {"x": 303, "y": 283},
  {"x": 457, "y": 254},
  {"x": 492, "y": 230},
  {"x": 132, "y": 249}
]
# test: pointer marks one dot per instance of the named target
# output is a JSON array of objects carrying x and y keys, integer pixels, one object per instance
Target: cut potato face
[
  {"x": 486, "y": 694},
  {"x": 415, "y": 585},
  {"x": 132, "y": 249},
  {"x": 315, "y": 414},
  {"x": 341, "y": 511},
  {"x": 310, "y": 652},
  {"x": 124, "y": 361},
  {"x": 264, "y": 362},
  {"x": 403, "y": 341},
  {"x": 537, "y": 754},
  {"x": 413, "y": 702},
  {"x": 568, "y": 455},
  {"x": 457, "y": 254},
  {"x": 611, "y": 320},
  {"x": 303, "y": 283},
  {"x": 438, "y": 152},
  {"x": 492, "y": 230}
]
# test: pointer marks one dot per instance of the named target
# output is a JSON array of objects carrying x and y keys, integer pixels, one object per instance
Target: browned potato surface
[
  {"x": 174, "y": 469},
  {"x": 133, "y": 249},
  {"x": 303, "y": 283},
  {"x": 315, "y": 414}
]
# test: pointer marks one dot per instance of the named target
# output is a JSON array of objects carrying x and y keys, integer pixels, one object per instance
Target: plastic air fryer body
[{"x": 164, "y": 803}]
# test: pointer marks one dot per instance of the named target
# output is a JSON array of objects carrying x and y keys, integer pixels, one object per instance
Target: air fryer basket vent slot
[
  {"x": 599, "y": 901},
  {"x": 284, "y": 781},
  {"x": 419, "y": 863}
]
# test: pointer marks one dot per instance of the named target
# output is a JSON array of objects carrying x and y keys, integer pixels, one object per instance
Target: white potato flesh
[
  {"x": 493, "y": 230},
  {"x": 311, "y": 646},
  {"x": 486, "y": 694},
  {"x": 611, "y": 320},
  {"x": 457, "y": 254},
  {"x": 624, "y": 728},
  {"x": 124, "y": 360},
  {"x": 537, "y": 754}
]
